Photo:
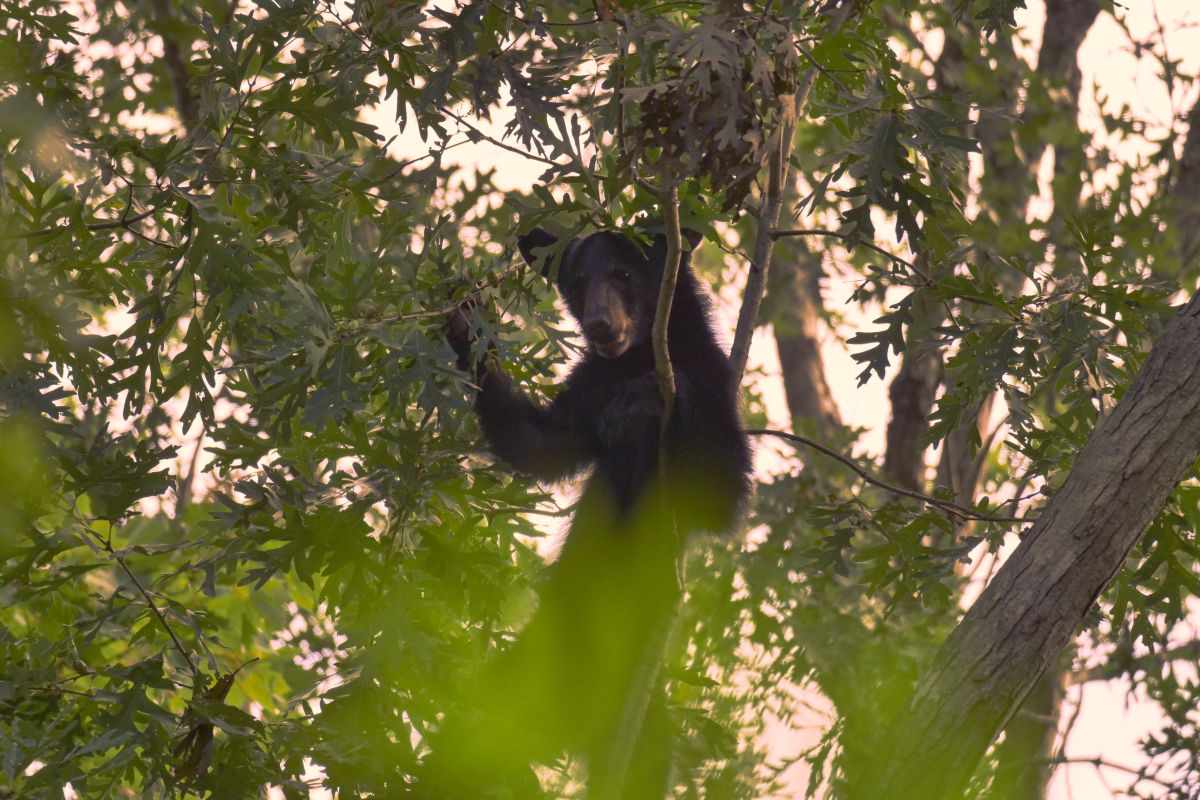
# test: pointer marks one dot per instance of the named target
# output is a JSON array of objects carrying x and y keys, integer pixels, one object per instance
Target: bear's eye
[{"x": 624, "y": 275}]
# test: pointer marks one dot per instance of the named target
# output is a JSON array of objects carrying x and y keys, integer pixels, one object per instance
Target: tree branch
[
  {"x": 498, "y": 142},
  {"x": 764, "y": 243},
  {"x": 768, "y": 216},
  {"x": 106, "y": 545},
  {"x": 1110, "y": 669},
  {"x": 123, "y": 222},
  {"x": 954, "y": 508},
  {"x": 922, "y": 274},
  {"x": 662, "y": 311}
]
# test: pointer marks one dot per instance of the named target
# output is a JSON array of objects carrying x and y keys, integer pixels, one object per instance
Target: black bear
[{"x": 563, "y": 684}]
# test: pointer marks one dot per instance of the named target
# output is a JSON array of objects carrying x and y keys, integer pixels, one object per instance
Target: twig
[
  {"x": 546, "y": 22},
  {"x": 449, "y": 308},
  {"x": 821, "y": 69},
  {"x": 662, "y": 312},
  {"x": 93, "y": 226},
  {"x": 498, "y": 142},
  {"x": 106, "y": 545},
  {"x": 1188, "y": 651},
  {"x": 764, "y": 243},
  {"x": 946, "y": 505},
  {"x": 847, "y": 238},
  {"x": 1101, "y": 762}
]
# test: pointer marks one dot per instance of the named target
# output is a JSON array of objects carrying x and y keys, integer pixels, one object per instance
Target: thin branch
[
  {"x": 106, "y": 545},
  {"x": 853, "y": 243},
  {"x": 764, "y": 243},
  {"x": 546, "y": 22},
  {"x": 611, "y": 784},
  {"x": 498, "y": 142},
  {"x": 1101, "y": 762},
  {"x": 662, "y": 312},
  {"x": 449, "y": 308},
  {"x": 1110, "y": 670},
  {"x": 821, "y": 69},
  {"x": 124, "y": 222},
  {"x": 945, "y": 505}
]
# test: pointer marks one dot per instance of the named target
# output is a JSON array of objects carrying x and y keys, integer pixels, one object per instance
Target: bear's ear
[
  {"x": 535, "y": 239},
  {"x": 692, "y": 237}
]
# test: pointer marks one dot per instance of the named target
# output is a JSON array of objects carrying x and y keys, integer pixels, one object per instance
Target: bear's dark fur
[{"x": 563, "y": 684}]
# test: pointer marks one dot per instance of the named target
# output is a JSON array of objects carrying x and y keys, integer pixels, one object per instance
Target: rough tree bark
[{"x": 1033, "y": 607}]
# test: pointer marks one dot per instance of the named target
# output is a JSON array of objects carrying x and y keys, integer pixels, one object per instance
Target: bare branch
[
  {"x": 611, "y": 784},
  {"x": 1115, "y": 668},
  {"x": 764, "y": 243},
  {"x": 945, "y": 505},
  {"x": 123, "y": 222},
  {"x": 498, "y": 142},
  {"x": 106, "y": 545},
  {"x": 448, "y": 309},
  {"x": 662, "y": 312},
  {"x": 922, "y": 274}
]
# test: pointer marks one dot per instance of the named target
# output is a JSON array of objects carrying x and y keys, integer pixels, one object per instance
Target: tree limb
[
  {"x": 764, "y": 243},
  {"x": 954, "y": 508},
  {"x": 123, "y": 222},
  {"x": 922, "y": 274},
  {"x": 1112, "y": 669},
  {"x": 662, "y": 311},
  {"x": 106, "y": 545},
  {"x": 768, "y": 216}
]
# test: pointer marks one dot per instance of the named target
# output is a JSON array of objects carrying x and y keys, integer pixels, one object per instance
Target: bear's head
[{"x": 609, "y": 282}]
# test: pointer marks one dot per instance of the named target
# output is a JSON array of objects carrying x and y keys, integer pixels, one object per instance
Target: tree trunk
[
  {"x": 911, "y": 396},
  {"x": 960, "y": 465},
  {"x": 1032, "y": 609},
  {"x": 797, "y": 328},
  {"x": 1067, "y": 23}
]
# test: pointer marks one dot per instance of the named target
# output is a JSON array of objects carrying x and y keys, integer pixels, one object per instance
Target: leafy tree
[{"x": 247, "y": 526}]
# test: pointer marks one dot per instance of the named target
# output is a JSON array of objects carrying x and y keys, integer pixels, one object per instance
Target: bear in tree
[{"x": 562, "y": 686}]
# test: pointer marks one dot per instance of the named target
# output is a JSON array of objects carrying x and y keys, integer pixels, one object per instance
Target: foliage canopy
[{"x": 246, "y": 524}]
